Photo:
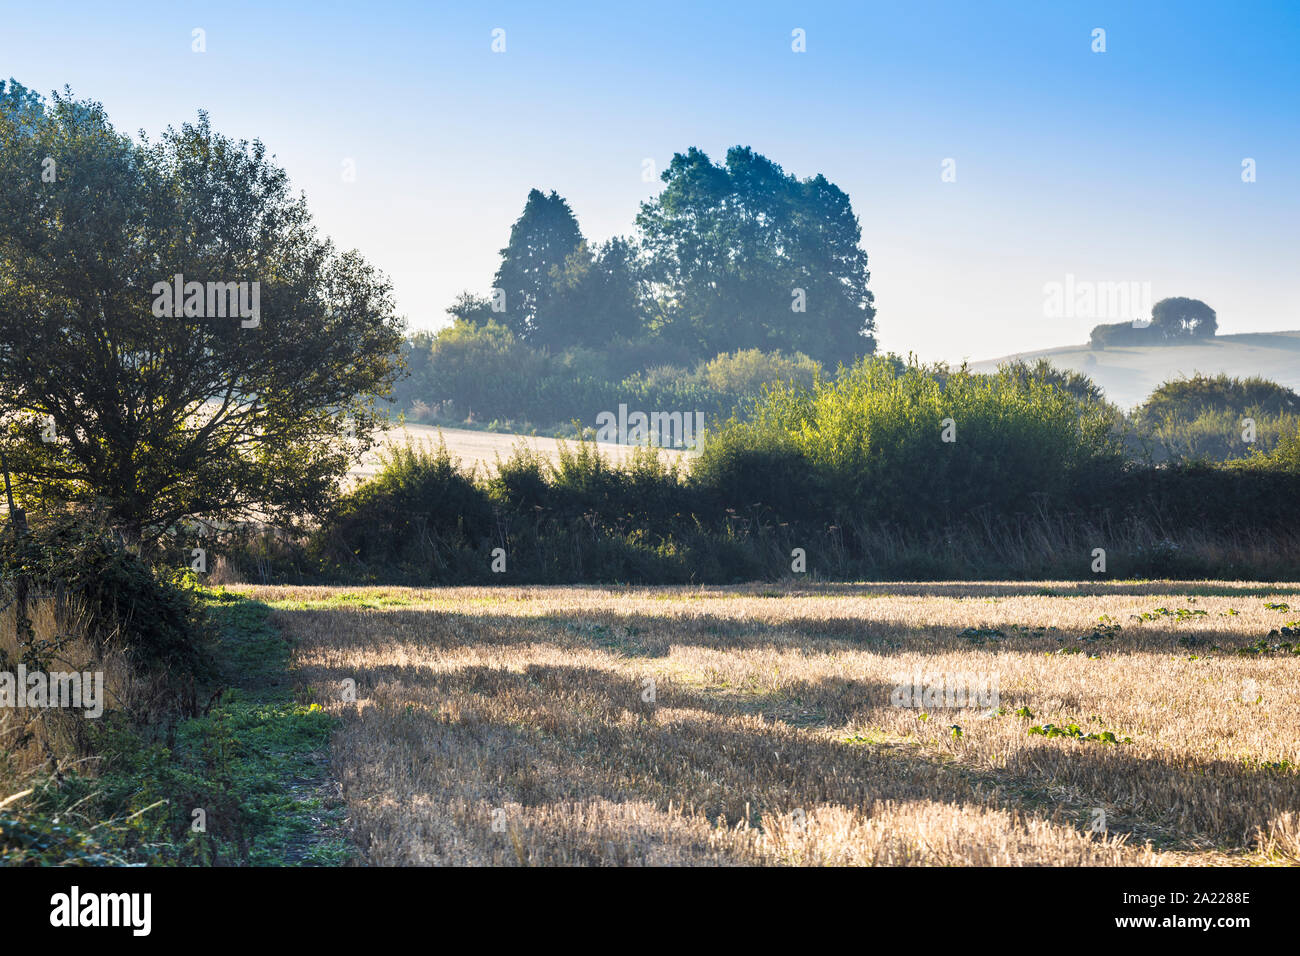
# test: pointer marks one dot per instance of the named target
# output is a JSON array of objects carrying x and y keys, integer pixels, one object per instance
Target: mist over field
[{"x": 1128, "y": 375}]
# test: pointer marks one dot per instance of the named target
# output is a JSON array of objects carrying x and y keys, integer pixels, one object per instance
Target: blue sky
[{"x": 1115, "y": 166}]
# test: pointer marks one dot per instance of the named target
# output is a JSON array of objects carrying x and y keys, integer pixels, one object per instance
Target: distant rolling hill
[{"x": 1130, "y": 374}]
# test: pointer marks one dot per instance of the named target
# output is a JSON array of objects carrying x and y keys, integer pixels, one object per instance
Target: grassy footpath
[{"x": 255, "y": 764}]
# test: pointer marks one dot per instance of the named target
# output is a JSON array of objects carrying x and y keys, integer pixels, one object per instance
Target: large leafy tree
[
  {"x": 594, "y": 298},
  {"x": 20, "y": 103},
  {"x": 160, "y": 418},
  {"x": 1180, "y": 317},
  {"x": 541, "y": 241},
  {"x": 729, "y": 244}
]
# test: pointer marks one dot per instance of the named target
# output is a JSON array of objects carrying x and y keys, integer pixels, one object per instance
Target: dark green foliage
[
  {"x": 729, "y": 243},
  {"x": 855, "y": 472},
  {"x": 1286, "y": 455},
  {"x": 420, "y": 511},
  {"x": 541, "y": 241},
  {"x": 868, "y": 447},
  {"x": 714, "y": 267},
  {"x": 1188, "y": 398},
  {"x": 1173, "y": 321},
  {"x": 574, "y": 329},
  {"x": 129, "y": 605},
  {"x": 763, "y": 469},
  {"x": 1120, "y": 334},
  {"x": 158, "y": 415},
  {"x": 1082, "y": 388},
  {"x": 578, "y": 519},
  {"x": 1203, "y": 417},
  {"x": 484, "y": 373},
  {"x": 1236, "y": 497},
  {"x": 233, "y": 762},
  {"x": 595, "y": 297},
  {"x": 1183, "y": 318}
]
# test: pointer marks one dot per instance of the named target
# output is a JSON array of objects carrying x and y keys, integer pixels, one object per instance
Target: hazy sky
[{"x": 1117, "y": 166}]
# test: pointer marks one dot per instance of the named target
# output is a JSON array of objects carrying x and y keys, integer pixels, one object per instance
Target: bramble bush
[{"x": 150, "y": 615}]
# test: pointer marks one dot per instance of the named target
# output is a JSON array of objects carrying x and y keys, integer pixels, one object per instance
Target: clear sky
[{"x": 1117, "y": 166}]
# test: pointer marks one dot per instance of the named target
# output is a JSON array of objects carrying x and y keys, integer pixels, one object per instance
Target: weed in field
[
  {"x": 1180, "y": 614},
  {"x": 1076, "y": 732},
  {"x": 981, "y": 635},
  {"x": 1107, "y": 629},
  {"x": 1265, "y": 646}
]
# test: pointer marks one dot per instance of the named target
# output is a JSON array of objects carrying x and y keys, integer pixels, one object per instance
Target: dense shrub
[
  {"x": 481, "y": 373},
  {"x": 1186, "y": 398},
  {"x": 478, "y": 371},
  {"x": 421, "y": 510},
  {"x": 1215, "y": 436},
  {"x": 128, "y": 606},
  {"x": 853, "y": 470},
  {"x": 1084, "y": 389},
  {"x": 1119, "y": 334},
  {"x": 1202, "y": 418},
  {"x": 765, "y": 471},
  {"x": 748, "y": 371},
  {"x": 644, "y": 490},
  {"x": 1286, "y": 454},
  {"x": 868, "y": 445},
  {"x": 1257, "y": 493}
]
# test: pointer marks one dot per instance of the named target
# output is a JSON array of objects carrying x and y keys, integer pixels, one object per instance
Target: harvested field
[{"x": 761, "y": 724}]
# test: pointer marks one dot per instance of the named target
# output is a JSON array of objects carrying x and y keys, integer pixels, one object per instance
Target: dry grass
[
  {"x": 53, "y": 740},
  {"x": 507, "y": 726}
]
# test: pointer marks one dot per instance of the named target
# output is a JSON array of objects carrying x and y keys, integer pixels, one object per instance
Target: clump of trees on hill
[{"x": 1174, "y": 321}]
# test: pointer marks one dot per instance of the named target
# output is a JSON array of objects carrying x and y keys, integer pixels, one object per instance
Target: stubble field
[{"x": 1145, "y": 723}]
